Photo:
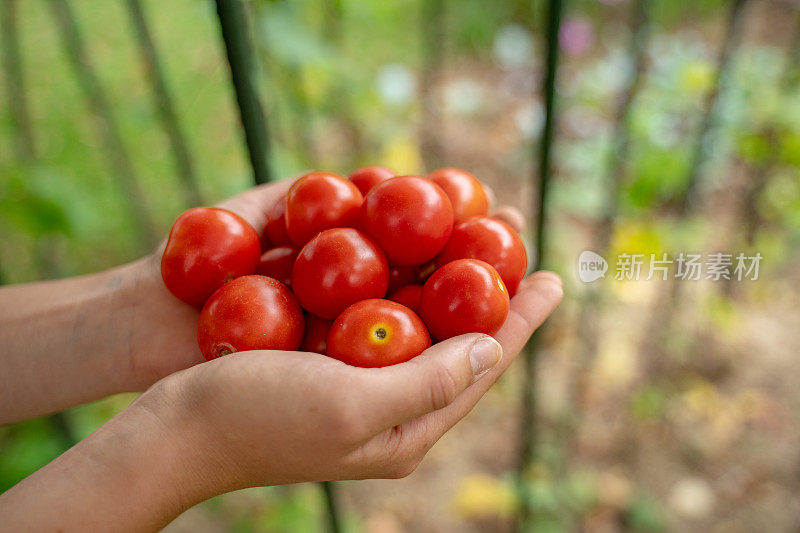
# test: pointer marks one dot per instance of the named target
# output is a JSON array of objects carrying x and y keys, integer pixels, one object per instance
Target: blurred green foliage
[{"x": 341, "y": 88}]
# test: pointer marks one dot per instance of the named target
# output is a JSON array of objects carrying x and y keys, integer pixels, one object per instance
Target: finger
[
  {"x": 254, "y": 204},
  {"x": 511, "y": 216},
  {"x": 490, "y": 195},
  {"x": 536, "y": 299},
  {"x": 430, "y": 381}
]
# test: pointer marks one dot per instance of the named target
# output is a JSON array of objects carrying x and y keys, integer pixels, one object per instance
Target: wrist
[
  {"x": 70, "y": 338},
  {"x": 137, "y": 472}
]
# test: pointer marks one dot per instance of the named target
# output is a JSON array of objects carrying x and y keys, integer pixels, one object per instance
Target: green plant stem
[
  {"x": 15, "y": 80},
  {"x": 239, "y": 50},
  {"x": 616, "y": 175},
  {"x": 688, "y": 201},
  {"x": 650, "y": 345},
  {"x": 343, "y": 103},
  {"x": 108, "y": 129},
  {"x": 332, "y": 507},
  {"x": 528, "y": 434},
  {"x": 433, "y": 27},
  {"x": 162, "y": 100}
]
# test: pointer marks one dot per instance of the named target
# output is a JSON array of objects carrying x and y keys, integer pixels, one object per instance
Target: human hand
[{"x": 272, "y": 417}]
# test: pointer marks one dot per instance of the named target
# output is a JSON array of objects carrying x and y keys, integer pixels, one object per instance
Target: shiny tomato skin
[
  {"x": 207, "y": 247},
  {"x": 464, "y": 296},
  {"x": 277, "y": 263},
  {"x": 464, "y": 190},
  {"x": 410, "y": 217},
  {"x": 315, "y": 338},
  {"x": 336, "y": 269},
  {"x": 366, "y": 178},
  {"x": 375, "y": 333},
  {"x": 249, "y": 313},
  {"x": 320, "y": 201},
  {"x": 492, "y": 241},
  {"x": 409, "y": 296},
  {"x": 275, "y": 233}
]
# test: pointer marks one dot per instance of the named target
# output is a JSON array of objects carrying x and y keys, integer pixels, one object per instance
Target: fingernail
[{"x": 484, "y": 354}]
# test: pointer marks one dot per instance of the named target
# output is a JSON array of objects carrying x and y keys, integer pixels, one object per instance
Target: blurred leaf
[
  {"x": 648, "y": 403},
  {"x": 480, "y": 495},
  {"x": 645, "y": 514}
]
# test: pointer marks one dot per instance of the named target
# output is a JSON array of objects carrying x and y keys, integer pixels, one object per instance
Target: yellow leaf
[
  {"x": 402, "y": 155},
  {"x": 480, "y": 495}
]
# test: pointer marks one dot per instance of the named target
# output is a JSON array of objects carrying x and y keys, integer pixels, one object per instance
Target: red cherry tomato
[
  {"x": 275, "y": 231},
  {"x": 410, "y": 217},
  {"x": 410, "y": 296},
  {"x": 367, "y": 177},
  {"x": 464, "y": 296},
  {"x": 207, "y": 247},
  {"x": 374, "y": 333},
  {"x": 315, "y": 339},
  {"x": 402, "y": 276},
  {"x": 464, "y": 190},
  {"x": 249, "y": 313},
  {"x": 336, "y": 269},
  {"x": 492, "y": 241},
  {"x": 277, "y": 263},
  {"x": 320, "y": 201}
]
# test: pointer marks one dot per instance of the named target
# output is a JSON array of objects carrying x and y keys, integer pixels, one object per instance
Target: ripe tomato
[
  {"x": 249, "y": 313},
  {"x": 464, "y": 190},
  {"x": 464, "y": 296},
  {"x": 336, "y": 269},
  {"x": 410, "y": 217},
  {"x": 410, "y": 296},
  {"x": 401, "y": 276},
  {"x": 320, "y": 201},
  {"x": 492, "y": 241},
  {"x": 207, "y": 247},
  {"x": 277, "y": 263},
  {"x": 367, "y": 177},
  {"x": 275, "y": 231},
  {"x": 374, "y": 333},
  {"x": 315, "y": 339}
]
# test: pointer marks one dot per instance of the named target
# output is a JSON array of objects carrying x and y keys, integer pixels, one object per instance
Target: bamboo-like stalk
[
  {"x": 332, "y": 507},
  {"x": 792, "y": 73},
  {"x": 433, "y": 27},
  {"x": 162, "y": 100},
  {"x": 239, "y": 50},
  {"x": 340, "y": 95},
  {"x": 687, "y": 200},
  {"x": 108, "y": 129},
  {"x": 529, "y": 426},
  {"x": 617, "y": 167},
  {"x": 15, "y": 80}
]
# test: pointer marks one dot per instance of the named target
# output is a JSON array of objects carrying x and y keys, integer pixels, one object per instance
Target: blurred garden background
[{"x": 660, "y": 405}]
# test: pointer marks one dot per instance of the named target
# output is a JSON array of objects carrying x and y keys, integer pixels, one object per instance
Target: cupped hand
[
  {"x": 272, "y": 417},
  {"x": 162, "y": 332}
]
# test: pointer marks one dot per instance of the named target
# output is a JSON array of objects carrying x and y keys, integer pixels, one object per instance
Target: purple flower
[{"x": 576, "y": 36}]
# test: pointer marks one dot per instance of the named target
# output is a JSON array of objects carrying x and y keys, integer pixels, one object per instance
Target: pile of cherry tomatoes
[{"x": 365, "y": 269}]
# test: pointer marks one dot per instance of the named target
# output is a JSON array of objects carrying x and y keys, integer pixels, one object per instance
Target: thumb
[{"x": 430, "y": 381}]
